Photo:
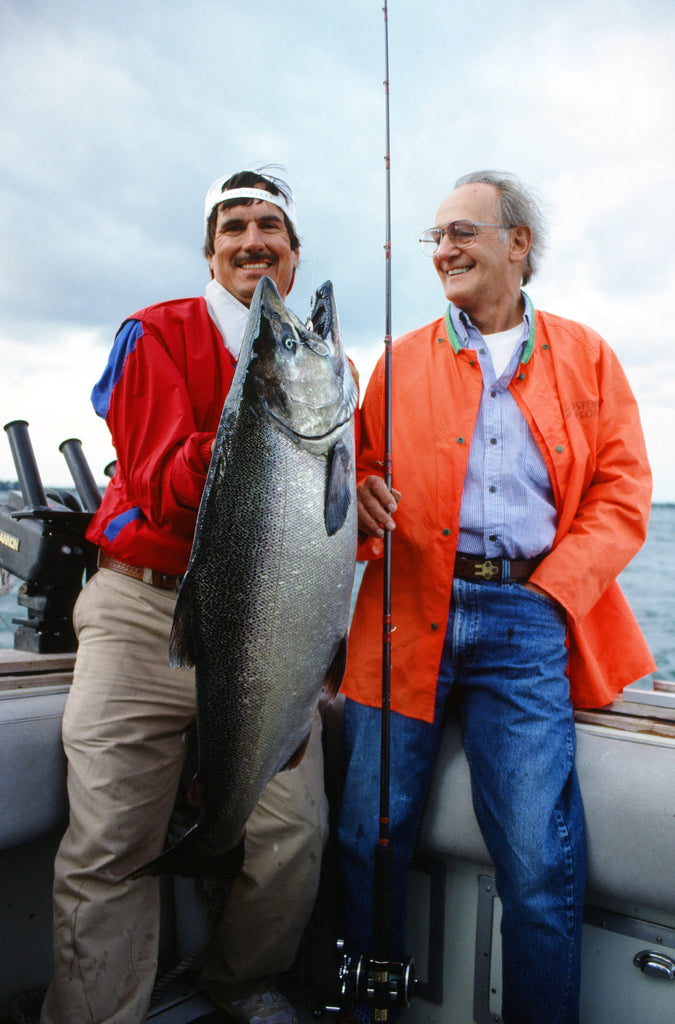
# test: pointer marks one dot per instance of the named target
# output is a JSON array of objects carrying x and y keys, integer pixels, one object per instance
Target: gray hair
[{"x": 517, "y": 205}]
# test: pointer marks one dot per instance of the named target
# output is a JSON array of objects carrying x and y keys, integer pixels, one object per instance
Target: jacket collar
[{"x": 528, "y": 316}]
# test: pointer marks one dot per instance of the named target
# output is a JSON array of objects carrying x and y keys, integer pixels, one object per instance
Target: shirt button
[
  {"x": 493, "y": 489},
  {"x": 493, "y": 440},
  {"x": 493, "y": 394},
  {"x": 492, "y": 537}
]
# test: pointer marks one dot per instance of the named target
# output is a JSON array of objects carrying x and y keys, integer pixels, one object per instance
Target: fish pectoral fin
[
  {"x": 336, "y": 671},
  {"x": 338, "y": 493},
  {"x": 295, "y": 759},
  {"x": 181, "y": 642}
]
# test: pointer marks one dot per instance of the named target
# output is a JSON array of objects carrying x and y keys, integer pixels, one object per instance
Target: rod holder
[
  {"x": 32, "y": 491},
  {"x": 83, "y": 478}
]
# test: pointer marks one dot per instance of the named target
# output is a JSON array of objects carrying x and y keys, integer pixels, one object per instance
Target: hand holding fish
[{"x": 376, "y": 504}]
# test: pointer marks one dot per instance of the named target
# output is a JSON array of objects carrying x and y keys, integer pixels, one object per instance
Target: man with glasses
[{"x": 521, "y": 489}]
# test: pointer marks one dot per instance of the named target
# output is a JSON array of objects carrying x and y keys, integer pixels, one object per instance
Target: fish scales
[
  {"x": 271, "y": 603},
  {"x": 263, "y": 610}
]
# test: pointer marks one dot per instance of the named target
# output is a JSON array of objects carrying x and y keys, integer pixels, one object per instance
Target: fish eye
[{"x": 288, "y": 343}]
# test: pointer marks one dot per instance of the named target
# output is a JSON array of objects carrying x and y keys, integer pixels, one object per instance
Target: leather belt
[
  {"x": 479, "y": 569},
  {"x": 152, "y": 576}
]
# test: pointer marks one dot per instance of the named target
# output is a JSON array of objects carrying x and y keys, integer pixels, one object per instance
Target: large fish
[{"x": 263, "y": 609}]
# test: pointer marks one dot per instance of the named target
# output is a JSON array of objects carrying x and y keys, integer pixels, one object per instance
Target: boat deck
[
  {"x": 184, "y": 1003},
  {"x": 625, "y": 756}
]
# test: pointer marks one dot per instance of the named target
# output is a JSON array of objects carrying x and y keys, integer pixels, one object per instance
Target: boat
[{"x": 626, "y": 765}]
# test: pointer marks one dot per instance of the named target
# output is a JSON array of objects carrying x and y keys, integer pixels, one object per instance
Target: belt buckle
[{"x": 486, "y": 570}]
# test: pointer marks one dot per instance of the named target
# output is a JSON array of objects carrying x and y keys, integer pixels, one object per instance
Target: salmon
[{"x": 263, "y": 610}]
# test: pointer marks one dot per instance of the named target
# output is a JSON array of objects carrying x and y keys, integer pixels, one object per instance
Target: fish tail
[{"x": 187, "y": 859}]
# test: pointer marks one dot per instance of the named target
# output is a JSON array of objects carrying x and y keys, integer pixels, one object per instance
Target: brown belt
[
  {"x": 151, "y": 576},
  {"x": 478, "y": 569}
]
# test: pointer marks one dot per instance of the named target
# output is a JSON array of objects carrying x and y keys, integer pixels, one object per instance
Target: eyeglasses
[{"x": 461, "y": 233}]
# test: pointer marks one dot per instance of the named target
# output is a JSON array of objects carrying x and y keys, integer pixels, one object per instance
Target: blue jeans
[{"x": 505, "y": 660}]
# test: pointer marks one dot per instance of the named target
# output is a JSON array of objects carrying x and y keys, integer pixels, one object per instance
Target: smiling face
[
  {"x": 251, "y": 242},
  {"x": 484, "y": 278}
]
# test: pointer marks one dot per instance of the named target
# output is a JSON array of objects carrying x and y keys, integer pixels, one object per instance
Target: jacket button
[
  {"x": 558, "y": 447},
  {"x": 446, "y": 532},
  {"x": 460, "y": 440},
  {"x": 434, "y": 625}
]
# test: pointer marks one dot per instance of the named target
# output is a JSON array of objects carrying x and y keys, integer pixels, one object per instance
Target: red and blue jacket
[{"x": 161, "y": 395}]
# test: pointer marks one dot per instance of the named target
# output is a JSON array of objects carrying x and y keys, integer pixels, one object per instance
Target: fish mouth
[{"x": 313, "y": 438}]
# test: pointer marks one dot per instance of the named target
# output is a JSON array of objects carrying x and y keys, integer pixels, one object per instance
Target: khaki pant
[{"x": 124, "y": 732}]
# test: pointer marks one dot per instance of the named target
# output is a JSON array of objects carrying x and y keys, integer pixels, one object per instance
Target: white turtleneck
[{"x": 228, "y": 314}]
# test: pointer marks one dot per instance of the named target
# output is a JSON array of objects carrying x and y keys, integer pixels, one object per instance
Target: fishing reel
[{"x": 383, "y": 984}]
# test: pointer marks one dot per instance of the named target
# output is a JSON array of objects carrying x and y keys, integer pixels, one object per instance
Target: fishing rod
[{"x": 376, "y": 978}]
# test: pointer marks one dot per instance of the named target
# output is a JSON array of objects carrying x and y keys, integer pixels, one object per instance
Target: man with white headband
[{"x": 128, "y": 715}]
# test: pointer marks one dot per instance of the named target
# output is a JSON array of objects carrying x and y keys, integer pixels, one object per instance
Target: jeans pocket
[{"x": 542, "y": 599}]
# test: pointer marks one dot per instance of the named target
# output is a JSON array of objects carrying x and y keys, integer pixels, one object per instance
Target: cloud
[
  {"x": 109, "y": 138},
  {"x": 49, "y": 387}
]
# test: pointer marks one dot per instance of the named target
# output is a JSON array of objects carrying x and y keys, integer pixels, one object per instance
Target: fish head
[{"x": 298, "y": 375}]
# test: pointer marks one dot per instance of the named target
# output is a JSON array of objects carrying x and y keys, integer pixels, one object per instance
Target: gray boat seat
[
  {"x": 32, "y": 764},
  {"x": 627, "y": 785},
  {"x": 626, "y": 780}
]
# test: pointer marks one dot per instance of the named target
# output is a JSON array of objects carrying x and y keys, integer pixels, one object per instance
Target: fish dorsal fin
[
  {"x": 181, "y": 642},
  {"x": 336, "y": 671},
  {"x": 338, "y": 494}
]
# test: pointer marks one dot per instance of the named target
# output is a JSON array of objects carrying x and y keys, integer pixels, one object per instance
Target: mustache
[{"x": 254, "y": 257}]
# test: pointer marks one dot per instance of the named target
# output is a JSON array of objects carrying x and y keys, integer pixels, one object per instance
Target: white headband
[{"x": 215, "y": 195}]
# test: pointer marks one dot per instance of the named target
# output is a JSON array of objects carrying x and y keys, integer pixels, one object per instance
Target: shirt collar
[
  {"x": 459, "y": 327},
  {"x": 229, "y": 315}
]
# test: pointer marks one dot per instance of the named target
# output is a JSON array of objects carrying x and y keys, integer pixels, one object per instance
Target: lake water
[{"x": 648, "y": 583}]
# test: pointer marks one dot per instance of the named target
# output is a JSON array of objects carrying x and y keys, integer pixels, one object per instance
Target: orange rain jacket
[{"x": 574, "y": 394}]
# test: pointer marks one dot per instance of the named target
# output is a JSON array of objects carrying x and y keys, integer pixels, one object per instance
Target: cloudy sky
[{"x": 116, "y": 117}]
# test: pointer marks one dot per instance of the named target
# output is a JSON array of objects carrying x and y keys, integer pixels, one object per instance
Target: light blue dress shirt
[{"x": 508, "y": 509}]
